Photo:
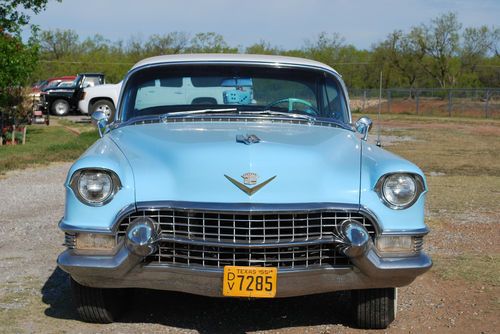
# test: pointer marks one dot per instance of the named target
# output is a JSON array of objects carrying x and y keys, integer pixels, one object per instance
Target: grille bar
[{"x": 69, "y": 240}]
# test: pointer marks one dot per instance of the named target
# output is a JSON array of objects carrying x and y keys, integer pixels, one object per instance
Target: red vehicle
[
  {"x": 38, "y": 115},
  {"x": 52, "y": 82}
]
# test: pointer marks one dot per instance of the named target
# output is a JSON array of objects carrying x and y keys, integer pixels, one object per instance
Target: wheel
[
  {"x": 60, "y": 107},
  {"x": 97, "y": 305},
  {"x": 374, "y": 308},
  {"x": 105, "y": 106}
]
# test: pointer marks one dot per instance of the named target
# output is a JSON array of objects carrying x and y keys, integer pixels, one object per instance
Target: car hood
[{"x": 190, "y": 161}]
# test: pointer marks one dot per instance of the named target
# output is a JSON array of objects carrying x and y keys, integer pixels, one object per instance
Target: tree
[
  {"x": 437, "y": 44},
  {"x": 171, "y": 43},
  {"x": 13, "y": 18},
  {"x": 209, "y": 42},
  {"x": 400, "y": 53},
  {"x": 59, "y": 43},
  {"x": 17, "y": 59},
  {"x": 325, "y": 48},
  {"x": 263, "y": 48}
]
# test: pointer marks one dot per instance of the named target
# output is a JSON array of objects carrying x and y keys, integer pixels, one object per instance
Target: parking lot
[{"x": 459, "y": 295}]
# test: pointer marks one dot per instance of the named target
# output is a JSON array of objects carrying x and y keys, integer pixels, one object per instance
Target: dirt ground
[{"x": 459, "y": 295}]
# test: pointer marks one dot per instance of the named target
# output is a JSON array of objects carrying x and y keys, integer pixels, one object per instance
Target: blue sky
[{"x": 285, "y": 23}]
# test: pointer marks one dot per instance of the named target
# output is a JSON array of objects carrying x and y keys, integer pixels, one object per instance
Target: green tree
[
  {"x": 171, "y": 43},
  {"x": 13, "y": 14},
  {"x": 17, "y": 59},
  {"x": 401, "y": 54},
  {"x": 59, "y": 43},
  {"x": 263, "y": 48},
  {"x": 437, "y": 45},
  {"x": 209, "y": 42},
  {"x": 325, "y": 48}
]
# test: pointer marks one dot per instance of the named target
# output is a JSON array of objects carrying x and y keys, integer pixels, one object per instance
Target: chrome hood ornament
[
  {"x": 247, "y": 139},
  {"x": 250, "y": 179}
]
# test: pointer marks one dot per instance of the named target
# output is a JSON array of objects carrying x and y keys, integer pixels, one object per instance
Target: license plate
[{"x": 256, "y": 282}]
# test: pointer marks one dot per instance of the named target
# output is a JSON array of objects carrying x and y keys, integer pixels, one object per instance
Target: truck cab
[{"x": 63, "y": 99}]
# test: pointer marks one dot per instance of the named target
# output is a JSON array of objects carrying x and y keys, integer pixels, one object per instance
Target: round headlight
[
  {"x": 399, "y": 190},
  {"x": 95, "y": 186}
]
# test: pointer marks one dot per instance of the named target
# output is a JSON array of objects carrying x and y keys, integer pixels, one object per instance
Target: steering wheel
[{"x": 291, "y": 101}]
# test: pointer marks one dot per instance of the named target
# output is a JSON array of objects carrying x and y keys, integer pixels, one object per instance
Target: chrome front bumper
[{"x": 127, "y": 270}]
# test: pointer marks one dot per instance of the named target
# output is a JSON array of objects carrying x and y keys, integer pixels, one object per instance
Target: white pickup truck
[
  {"x": 100, "y": 98},
  {"x": 178, "y": 91}
]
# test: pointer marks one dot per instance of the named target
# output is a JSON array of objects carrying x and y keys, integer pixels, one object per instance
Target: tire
[
  {"x": 374, "y": 308},
  {"x": 105, "y": 106},
  {"x": 97, "y": 305},
  {"x": 60, "y": 107}
]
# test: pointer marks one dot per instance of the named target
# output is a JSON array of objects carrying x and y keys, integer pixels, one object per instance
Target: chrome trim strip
[
  {"x": 245, "y": 207},
  {"x": 68, "y": 228},
  {"x": 223, "y": 208},
  {"x": 418, "y": 231},
  {"x": 233, "y": 118},
  {"x": 249, "y": 245}
]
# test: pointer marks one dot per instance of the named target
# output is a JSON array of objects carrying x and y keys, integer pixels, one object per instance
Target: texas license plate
[{"x": 254, "y": 282}]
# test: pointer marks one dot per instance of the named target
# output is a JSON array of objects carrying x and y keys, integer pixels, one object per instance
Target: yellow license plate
[{"x": 254, "y": 282}]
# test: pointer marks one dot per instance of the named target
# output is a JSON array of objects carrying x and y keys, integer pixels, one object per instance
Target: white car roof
[{"x": 226, "y": 57}]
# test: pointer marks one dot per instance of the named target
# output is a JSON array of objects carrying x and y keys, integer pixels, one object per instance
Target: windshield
[{"x": 165, "y": 90}]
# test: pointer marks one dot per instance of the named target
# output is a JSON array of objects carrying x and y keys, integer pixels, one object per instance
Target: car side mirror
[
  {"x": 100, "y": 120},
  {"x": 363, "y": 126}
]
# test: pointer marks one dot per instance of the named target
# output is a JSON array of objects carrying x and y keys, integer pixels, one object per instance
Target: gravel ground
[{"x": 35, "y": 296}]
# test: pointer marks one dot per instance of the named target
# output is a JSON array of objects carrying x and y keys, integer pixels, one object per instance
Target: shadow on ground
[{"x": 209, "y": 315}]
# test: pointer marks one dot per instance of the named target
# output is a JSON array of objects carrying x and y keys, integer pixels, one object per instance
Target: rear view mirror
[
  {"x": 100, "y": 120},
  {"x": 237, "y": 82},
  {"x": 363, "y": 126}
]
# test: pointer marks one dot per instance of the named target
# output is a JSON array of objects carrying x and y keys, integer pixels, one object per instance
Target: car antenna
[{"x": 379, "y": 143}]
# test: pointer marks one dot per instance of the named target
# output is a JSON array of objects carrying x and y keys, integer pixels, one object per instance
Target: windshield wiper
[
  {"x": 197, "y": 112},
  {"x": 239, "y": 112},
  {"x": 280, "y": 113}
]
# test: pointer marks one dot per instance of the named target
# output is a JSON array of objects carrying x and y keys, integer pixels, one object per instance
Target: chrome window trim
[{"x": 338, "y": 77}]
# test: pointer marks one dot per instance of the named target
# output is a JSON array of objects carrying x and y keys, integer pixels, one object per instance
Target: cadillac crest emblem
[{"x": 250, "y": 178}]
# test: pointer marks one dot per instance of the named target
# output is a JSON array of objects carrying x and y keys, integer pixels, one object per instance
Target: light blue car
[{"x": 253, "y": 182}]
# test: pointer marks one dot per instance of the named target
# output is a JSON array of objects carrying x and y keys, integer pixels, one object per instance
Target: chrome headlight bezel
[
  {"x": 419, "y": 189},
  {"x": 115, "y": 185}
]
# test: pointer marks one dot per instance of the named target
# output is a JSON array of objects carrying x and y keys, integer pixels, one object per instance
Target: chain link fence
[{"x": 483, "y": 103}]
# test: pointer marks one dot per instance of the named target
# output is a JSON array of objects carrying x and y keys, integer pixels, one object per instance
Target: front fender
[
  {"x": 376, "y": 162},
  {"x": 79, "y": 216}
]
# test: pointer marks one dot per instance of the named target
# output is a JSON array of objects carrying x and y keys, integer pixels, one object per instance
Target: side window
[
  {"x": 334, "y": 105},
  {"x": 91, "y": 81}
]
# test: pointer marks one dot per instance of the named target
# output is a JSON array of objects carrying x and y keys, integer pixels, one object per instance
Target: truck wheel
[
  {"x": 60, "y": 107},
  {"x": 97, "y": 305},
  {"x": 374, "y": 308},
  {"x": 107, "y": 107}
]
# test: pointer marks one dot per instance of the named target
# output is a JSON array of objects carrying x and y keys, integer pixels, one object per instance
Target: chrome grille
[
  {"x": 281, "y": 257},
  {"x": 418, "y": 243},
  {"x": 69, "y": 240},
  {"x": 216, "y": 239}
]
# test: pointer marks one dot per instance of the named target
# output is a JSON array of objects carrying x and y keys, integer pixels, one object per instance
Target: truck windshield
[{"x": 171, "y": 89}]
